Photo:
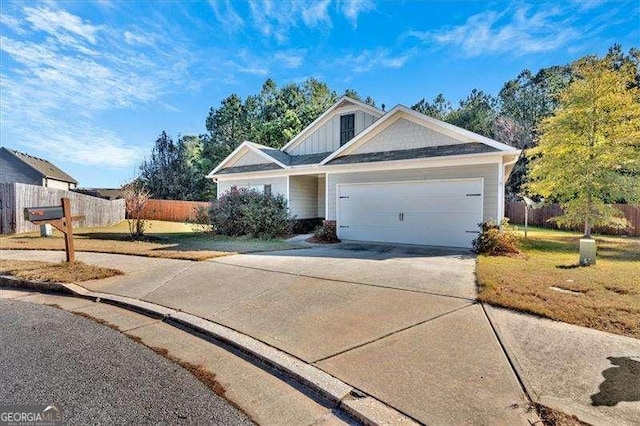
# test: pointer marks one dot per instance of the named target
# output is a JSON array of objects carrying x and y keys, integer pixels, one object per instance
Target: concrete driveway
[{"x": 399, "y": 322}]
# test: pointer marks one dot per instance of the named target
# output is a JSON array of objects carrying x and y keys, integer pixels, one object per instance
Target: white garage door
[{"x": 437, "y": 212}]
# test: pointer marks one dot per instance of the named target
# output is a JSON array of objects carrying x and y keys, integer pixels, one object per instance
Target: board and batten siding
[
  {"x": 405, "y": 134},
  {"x": 249, "y": 159},
  {"x": 278, "y": 184},
  {"x": 327, "y": 137},
  {"x": 487, "y": 171},
  {"x": 303, "y": 196}
]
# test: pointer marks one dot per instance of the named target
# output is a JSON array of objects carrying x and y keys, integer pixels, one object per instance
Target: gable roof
[
  {"x": 44, "y": 167},
  {"x": 270, "y": 154},
  {"x": 325, "y": 116},
  {"x": 455, "y": 131}
]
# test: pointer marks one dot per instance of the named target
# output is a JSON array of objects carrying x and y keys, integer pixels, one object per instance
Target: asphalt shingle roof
[
  {"x": 249, "y": 168},
  {"x": 407, "y": 154},
  {"x": 43, "y": 166}
]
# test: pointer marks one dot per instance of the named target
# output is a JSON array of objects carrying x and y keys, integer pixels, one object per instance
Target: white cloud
[
  {"x": 277, "y": 18},
  {"x": 353, "y": 8},
  {"x": 226, "y": 15},
  {"x": 514, "y": 30},
  {"x": 53, "y": 88},
  {"x": 55, "y": 21},
  {"x": 138, "y": 38},
  {"x": 378, "y": 58},
  {"x": 290, "y": 58},
  {"x": 317, "y": 13}
]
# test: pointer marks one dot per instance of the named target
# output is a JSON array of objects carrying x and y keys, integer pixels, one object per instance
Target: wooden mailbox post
[{"x": 60, "y": 218}]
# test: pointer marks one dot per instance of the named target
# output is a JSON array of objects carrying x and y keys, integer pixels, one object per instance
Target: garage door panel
[{"x": 433, "y": 212}]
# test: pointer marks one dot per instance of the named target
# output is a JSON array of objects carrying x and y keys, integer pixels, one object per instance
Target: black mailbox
[{"x": 33, "y": 214}]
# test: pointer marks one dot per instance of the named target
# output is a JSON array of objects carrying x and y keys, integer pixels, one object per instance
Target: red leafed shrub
[{"x": 494, "y": 241}]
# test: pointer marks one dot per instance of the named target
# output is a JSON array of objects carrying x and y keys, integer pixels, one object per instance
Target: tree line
[{"x": 176, "y": 168}]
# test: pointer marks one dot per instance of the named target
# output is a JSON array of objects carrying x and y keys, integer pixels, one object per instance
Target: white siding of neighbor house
[
  {"x": 327, "y": 137},
  {"x": 278, "y": 184},
  {"x": 488, "y": 171},
  {"x": 322, "y": 183},
  {"x": 248, "y": 159},
  {"x": 57, "y": 184},
  {"x": 303, "y": 196},
  {"x": 405, "y": 134}
]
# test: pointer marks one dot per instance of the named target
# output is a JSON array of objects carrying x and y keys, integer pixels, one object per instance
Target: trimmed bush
[
  {"x": 494, "y": 241},
  {"x": 249, "y": 212}
]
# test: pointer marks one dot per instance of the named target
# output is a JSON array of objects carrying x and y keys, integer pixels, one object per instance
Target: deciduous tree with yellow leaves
[{"x": 589, "y": 150}]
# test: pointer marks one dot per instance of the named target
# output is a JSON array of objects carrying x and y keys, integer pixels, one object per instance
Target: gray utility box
[
  {"x": 46, "y": 230},
  {"x": 587, "y": 251}
]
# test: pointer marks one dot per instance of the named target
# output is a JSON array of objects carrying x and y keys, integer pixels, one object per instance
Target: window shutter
[{"x": 347, "y": 128}]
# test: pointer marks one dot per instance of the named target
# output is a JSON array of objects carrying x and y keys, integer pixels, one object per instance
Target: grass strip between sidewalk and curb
[
  {"x": 362, "y": 407},
  {"x": 60, "y": 272}
]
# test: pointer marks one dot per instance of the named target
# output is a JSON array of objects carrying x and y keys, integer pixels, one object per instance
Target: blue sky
[{"x": 90, "y": 85}]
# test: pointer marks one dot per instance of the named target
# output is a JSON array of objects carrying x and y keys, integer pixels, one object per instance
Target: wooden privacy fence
[
  {"x": 514, "y": 210},
  {"x": 173, "y": 210},
  {"x": 14, "y": 197}
]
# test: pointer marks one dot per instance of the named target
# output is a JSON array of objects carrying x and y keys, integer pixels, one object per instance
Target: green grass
[
  {"x": 604, "y": 296},
  {"x": 163, "y": 239}
]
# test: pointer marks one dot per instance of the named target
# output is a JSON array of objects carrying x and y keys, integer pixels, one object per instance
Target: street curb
[{"x": 363, "y": 407}]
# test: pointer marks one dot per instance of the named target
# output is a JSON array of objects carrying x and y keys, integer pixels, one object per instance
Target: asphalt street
[{"x": 95, "y": 374}]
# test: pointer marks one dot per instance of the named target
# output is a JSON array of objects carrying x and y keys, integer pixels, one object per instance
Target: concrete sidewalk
[
  {"x": 400, "y": 324},
  {"x": 581, "y": 371}
]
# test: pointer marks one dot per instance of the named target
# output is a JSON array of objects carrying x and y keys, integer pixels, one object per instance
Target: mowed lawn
[
  {"x": 605, "y": 296},
  {"x": 163, "y": 239}
]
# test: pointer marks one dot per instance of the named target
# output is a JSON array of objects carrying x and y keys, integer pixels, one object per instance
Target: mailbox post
[{"x": 60, "y": 218}]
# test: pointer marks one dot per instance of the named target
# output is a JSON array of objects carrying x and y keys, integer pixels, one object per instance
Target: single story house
[
  {"x": 397, "y": 176},
  {"x": 19, "y": 167}
]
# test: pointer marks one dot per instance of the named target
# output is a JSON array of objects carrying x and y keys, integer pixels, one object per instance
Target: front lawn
[
  {"x": 163, "y": 239},
  {"x": 548, "y": 282},
  {"x": 61, "y": 272}
]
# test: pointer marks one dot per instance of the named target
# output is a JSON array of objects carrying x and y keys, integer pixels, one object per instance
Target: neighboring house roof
[
  {"x": 46, "y": 168},
  {"x": 106, "y": 193}
]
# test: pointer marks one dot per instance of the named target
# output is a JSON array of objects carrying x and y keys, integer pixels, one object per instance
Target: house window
[
  {"x": 347, "y": 128},
  {"x": 262, "y": 189}
]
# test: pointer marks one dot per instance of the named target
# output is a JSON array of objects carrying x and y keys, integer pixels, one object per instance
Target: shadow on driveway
[
  {"x": 373, "y": 251},
  {"x": 621, "y": 382}
]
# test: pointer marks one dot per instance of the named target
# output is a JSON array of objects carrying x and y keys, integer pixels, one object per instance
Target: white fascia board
[
  {"x": 414, "y": 163},
  {"x": 227, "y": 159},
  {"x": 251, "y": 146},
  {"x": 327, "y": 115}
]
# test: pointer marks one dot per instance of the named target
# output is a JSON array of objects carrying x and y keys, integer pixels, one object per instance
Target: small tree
[
  {"x": 589, "y": 151},
  {"x": 135, "y": 199}
]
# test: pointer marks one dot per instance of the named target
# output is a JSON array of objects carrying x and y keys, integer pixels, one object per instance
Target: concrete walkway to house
[{"x": 400, "y": 323}]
